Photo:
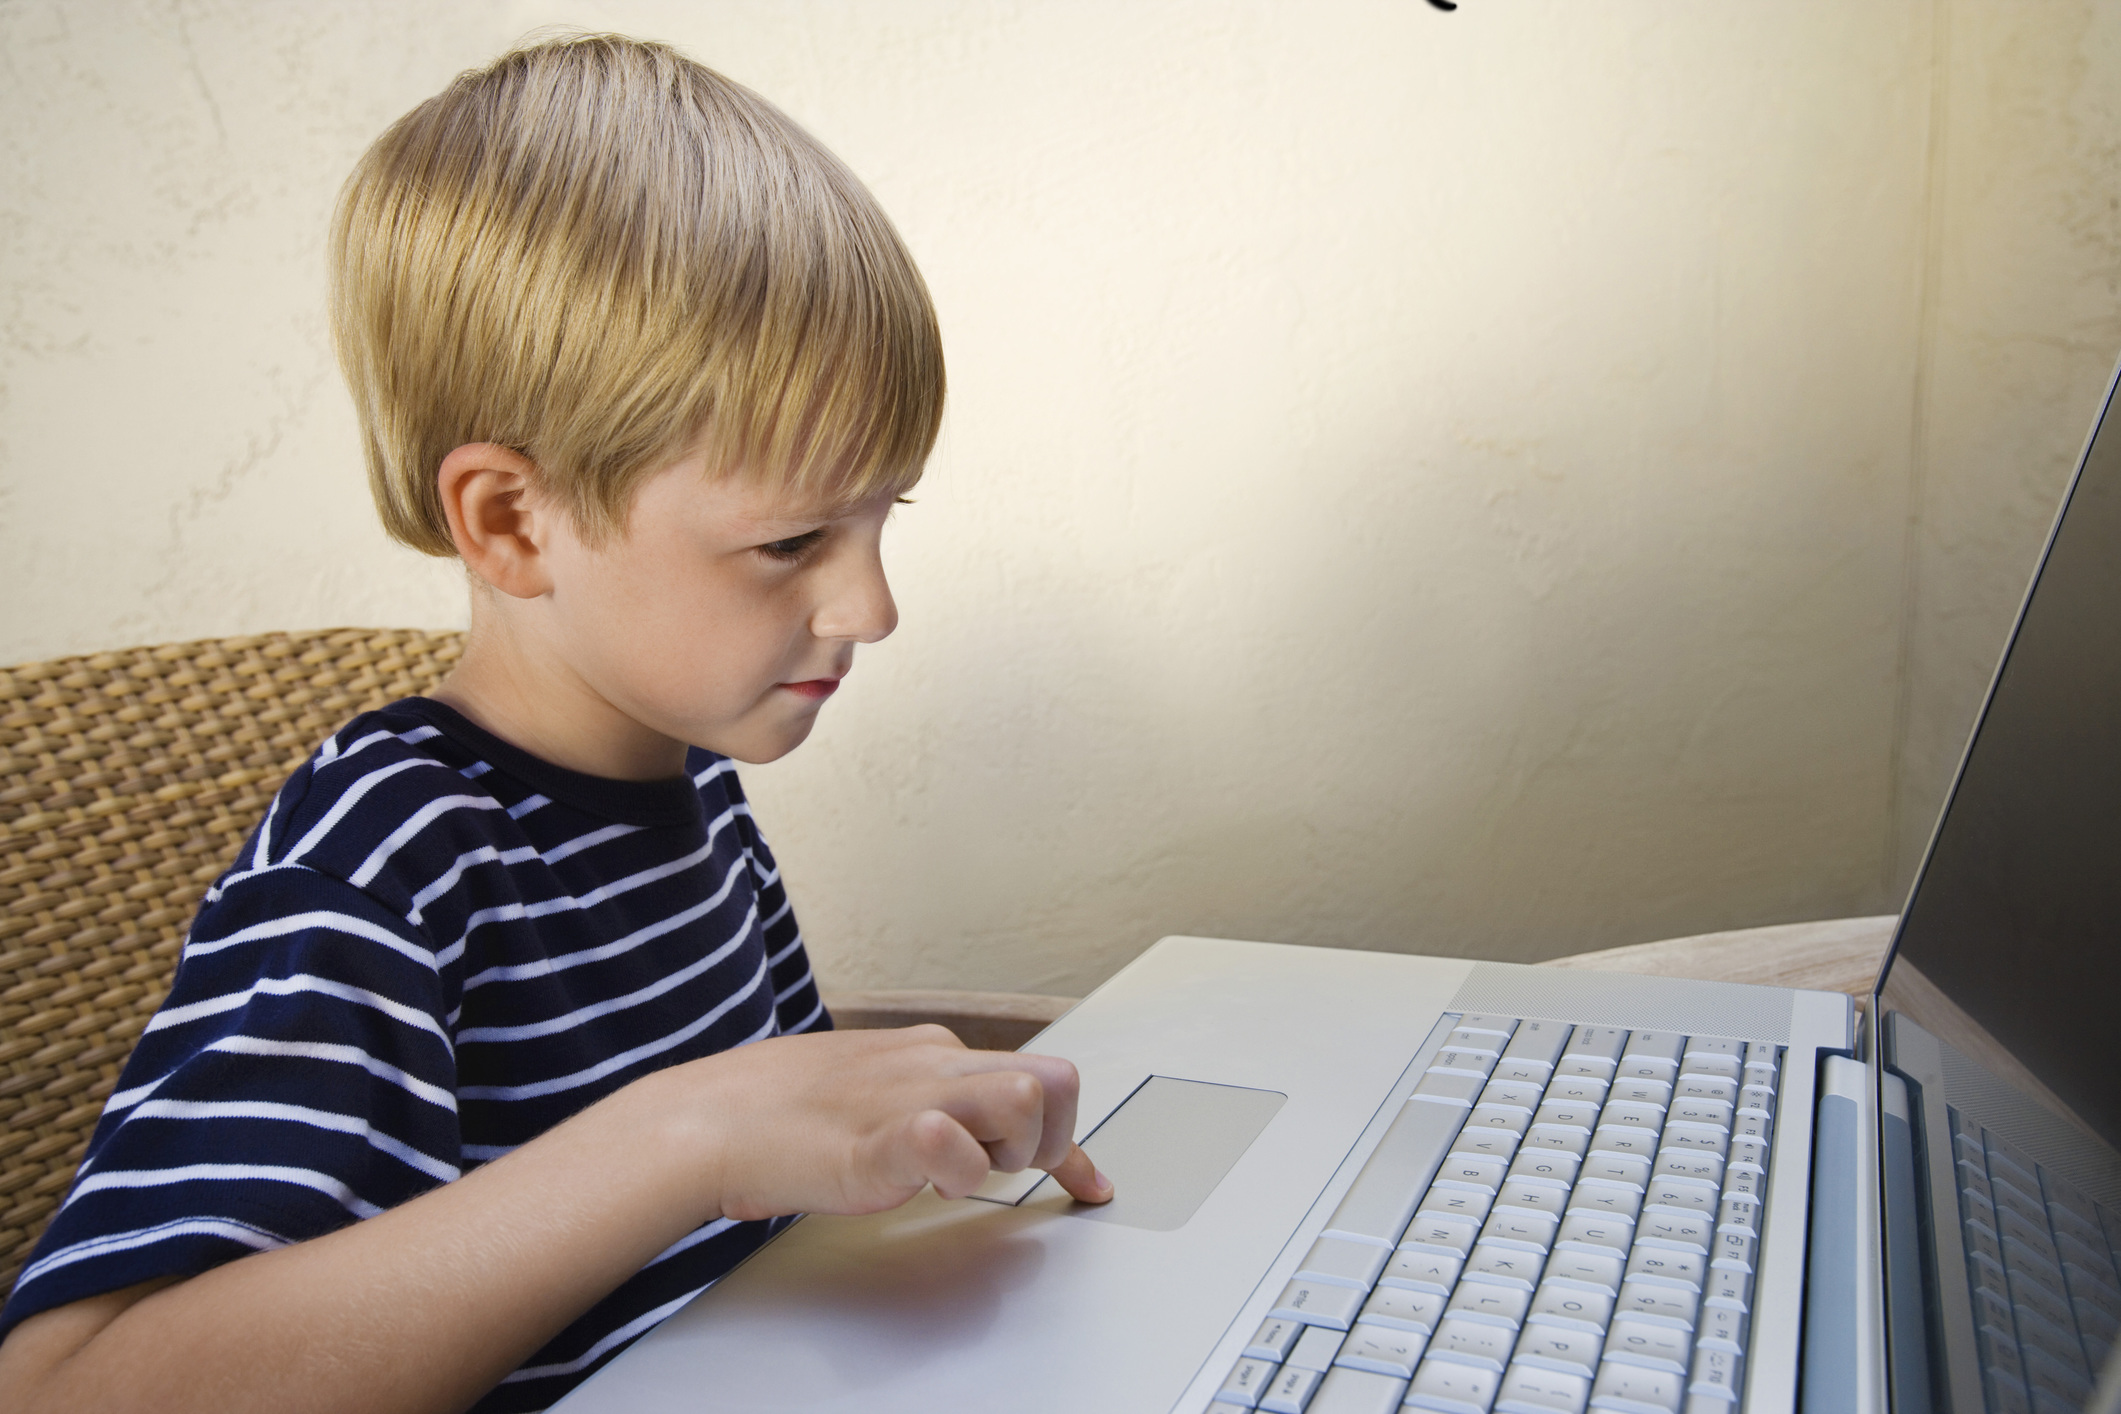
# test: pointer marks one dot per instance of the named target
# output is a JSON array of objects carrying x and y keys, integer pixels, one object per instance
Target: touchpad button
[{"x": 1165, "y": 1149}]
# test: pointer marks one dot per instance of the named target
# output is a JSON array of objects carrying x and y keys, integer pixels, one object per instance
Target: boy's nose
[{"x": 860, "y": 606}]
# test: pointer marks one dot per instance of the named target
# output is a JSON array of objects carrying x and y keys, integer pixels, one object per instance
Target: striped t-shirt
[{"x": 434, "y": 948}]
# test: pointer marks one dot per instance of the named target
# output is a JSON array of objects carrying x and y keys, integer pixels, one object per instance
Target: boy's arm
[{"x": 428, "y": 1305}]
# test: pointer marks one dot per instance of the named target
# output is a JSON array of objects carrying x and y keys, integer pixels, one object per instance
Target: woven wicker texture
[{"x": 127, "y": 783}]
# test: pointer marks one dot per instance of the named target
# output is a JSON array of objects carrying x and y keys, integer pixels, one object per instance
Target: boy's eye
[{"x": 794, "y": 547}]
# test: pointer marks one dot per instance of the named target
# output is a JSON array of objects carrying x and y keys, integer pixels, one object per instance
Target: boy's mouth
[{"x": 816, "y": 688}]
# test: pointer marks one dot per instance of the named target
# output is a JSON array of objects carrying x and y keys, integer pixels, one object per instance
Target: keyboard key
[
  {"x": 1728, "y": 1287},
  {"x": 1606, "y": 1198},
  {"x": 1715, "y": 1046},
  {"x": 1667, "y": 1264},
  {"x": 1601, "y": 1041},
  {"x": 1470, "y": 1342},
  {"x": 1495, "y": 1305},
  {"x": 1556, "y": 1167},
  {"x": 1504, "y": 1117},
  {"x": 1382, "y": 1198},
  {"x": 1716, "y": 1374},
  {"x": 1347, "y": 1391},
  {"x": 1637, "y": 1114},
  {"x": 1624, "y": 1139},
  {"x": 1734, "y": 1248},
  {"x": 1720, "y": 1328},
  {"x": 1344, "y": 1263},
  {"x": 1749, "y": 1124},
  {"x": 1567, "y": 1114},
  {"x": 1501, "y": 1026},
  {"x": 1486, "y": 1042},
  {"x": 1451, "y": 1388},
  {"x": 1493, "y": 1143},
  {"x": 1552, "y": 1346},
  {"x": 1691, "y": 1109},
  {"x": 1643, "y": 1090},
  {"x": 1383, "y": 1350},
  {"x": 1556, "y": 1304},
  {"x": 1667, "y": 1044},
  {"x": 1533, "y": 1195},
  {"x": 1471, "y": 1204},
  {"x": 1526, "y": 1069},
  {"x": 1645, "y": 1068},
  {"x": 1585, "y": 1088},
  {"x": 1403, "y": 1308},
  {"x": 1527, "y": 1389},
  {"x": 1514, "y": 1227},
  {"x": 1593, "y": 1269},
  {"x": 1650, "y": 1345},
  {"x": 1705, "y": 1087},
  {"x": 1316, "y": 1349},
  {"x": 1631, "y": 1389},
  {"x": 1597, "y": 1067},
  {"x": 1454, "y": 1061},
  {"x": 1762, "y": 1054},
  {"x": 1450, "y": 1088},
  {"x": 1504, "y": 1266},
  {"x": 1722, "y": 1067},
  {"x": 1677, "y": 1229},
  {"x": 1596, "y": 1232},
  {"x": 1741, "y": 1214},
  {"x": 1247, "y": 1381},
  {"x": 1436, "y": 1232},
  {"x": 1759, "y": 1099},
  {"x": 1563, "y": 1138},
  {"x": 1617, "y": 1168},
  {"x": 1316, "y": 1303},
  {"x": 1749, "y": 1153},
  {"x": 1748, "y": 1184},
  {"x": 1655, "y": 1300},
  {"x": 1696, "y": 1138},
  {"x": 1523, "y": 1094},
  {"x": 1274, "y": 1339},
  {"x": 1466, "y": 1170},
  {"x": 1421, "y": 1271},
  {"x": 1290, "y": 1390},
  {"x": 1682, "y": 1193},
  {"x": 1537, "y": 1041}
]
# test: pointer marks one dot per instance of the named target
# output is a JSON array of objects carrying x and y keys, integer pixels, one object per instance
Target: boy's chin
[{"x": 762, "y": 744}]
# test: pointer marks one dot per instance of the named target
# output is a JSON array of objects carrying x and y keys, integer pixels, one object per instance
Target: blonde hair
[{"x": 604, "y": 255}]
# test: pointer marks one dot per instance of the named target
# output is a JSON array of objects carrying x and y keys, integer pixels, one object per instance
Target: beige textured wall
[{"x": 1423, "y": 481}]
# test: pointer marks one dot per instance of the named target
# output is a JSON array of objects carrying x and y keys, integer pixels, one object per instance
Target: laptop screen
[{"x": 2000, "y": 1007}]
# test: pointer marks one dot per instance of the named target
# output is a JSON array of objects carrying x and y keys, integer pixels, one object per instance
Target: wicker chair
[{"x": 127, "y": 782}]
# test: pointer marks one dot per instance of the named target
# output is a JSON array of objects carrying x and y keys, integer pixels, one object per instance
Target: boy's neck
[{"x": 538, "y": 703}]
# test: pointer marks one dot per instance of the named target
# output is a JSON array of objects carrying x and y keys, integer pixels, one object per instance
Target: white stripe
[
  {"x": 588, "y": 841},
  {"x": 487, "y": 1153},
  {"x": 721, "y": 767},
  {"x": 262, "y": 855},
  {"x": 352, "y": 797},
  {"x": 772, "y": 1027},
  {"x": 327, "y": 1184},
  {"x": 778, "y": 913},
  {"x": 486, "y": 854},
  {"x": 785, "y": 953},
  {"x": 325, "y": 919},
  {"x": 291, "y": 986},
  {"x": 423, "y": 817},
  {"x": 552, "y": 1025},
  {"x": 475, "y": 770},
  {"x": 303, "y": 1050},
  {"x": 546, "y": 966},
  {"x": 568, "y": 903},
  {"x": 596, "y": 1352},
  {"x": 613, "y": 1064},
  {"x": 792, "y": 988},
  {"x": 256, "y": 1238},
  {"x": 690, "y": 1240},
  {"x": 527, "y": 804},
  {"x": 298, "y": 1114},
  {"x": 809, "y": 1021},
  {"x": 411, "y": 738}
]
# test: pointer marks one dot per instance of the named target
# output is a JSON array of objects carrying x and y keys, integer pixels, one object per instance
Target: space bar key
[{"x": 1382, "y": 1201}]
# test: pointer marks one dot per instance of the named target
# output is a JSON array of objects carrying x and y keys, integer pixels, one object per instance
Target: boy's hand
[{"x": 860, "y": 1121}]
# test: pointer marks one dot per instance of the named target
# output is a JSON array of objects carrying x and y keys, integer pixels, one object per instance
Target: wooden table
[{"x": 1835, "y": 955}]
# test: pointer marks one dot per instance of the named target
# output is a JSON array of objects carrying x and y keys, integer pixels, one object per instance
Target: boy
[{"x": 452, "y": 1096}]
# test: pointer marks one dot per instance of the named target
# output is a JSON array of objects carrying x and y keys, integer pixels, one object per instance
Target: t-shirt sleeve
[{"x": 300, "y": 1076}]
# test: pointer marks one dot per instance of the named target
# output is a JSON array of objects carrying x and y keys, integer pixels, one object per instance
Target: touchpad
[{"x": 1165, "y": 1149}]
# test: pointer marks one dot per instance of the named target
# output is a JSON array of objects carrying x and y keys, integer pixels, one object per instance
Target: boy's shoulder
[{"x": 404, "y": 793}]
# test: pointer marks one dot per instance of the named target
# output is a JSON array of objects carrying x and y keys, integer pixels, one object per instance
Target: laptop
[{"x": 1353, "y": 1182}]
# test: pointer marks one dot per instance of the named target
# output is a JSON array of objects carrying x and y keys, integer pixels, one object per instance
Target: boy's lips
[{"x": 815, "y": 688}]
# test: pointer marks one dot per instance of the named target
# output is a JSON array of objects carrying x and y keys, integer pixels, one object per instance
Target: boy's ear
[{"x": 497, "y": 523}]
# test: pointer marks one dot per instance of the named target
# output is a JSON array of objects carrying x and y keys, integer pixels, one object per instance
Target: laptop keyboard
[
  {"x": 1587, "y": 1240},
  {"x": 2040, "y": 1260}
]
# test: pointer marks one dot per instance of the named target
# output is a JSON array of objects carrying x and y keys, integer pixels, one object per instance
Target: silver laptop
[{"x": 1352, "y": 1183}]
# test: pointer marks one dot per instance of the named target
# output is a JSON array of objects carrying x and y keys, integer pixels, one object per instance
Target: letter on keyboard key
[
  {"x": 1382, "y": 1350},
  {"x": 1453, "y": 1201},
  {"x": 1556, "y": 1167},
  {"x": 1563, "y": 1138},
  {"x": 1594, "y": 1268},
  {"x": 1557, "y": 1304},
  {"x": 1404, "y": 1309},
  {"x": 1606, "y": 1199},
  {"x": 1617, "y": 1168},
  {"x": 1624, "y": 1139},
  {"x": 1559, "y": 1348},
  {"x": 1527, "y": 1389},
  {"x": 1344, "y": 1263},
  {"x": 1451, "y": 1388},
  {"x": 1461, "y": 1169},
  {"x": 1513, "y": 1227},
  {"x": 1504, "y": 1266},
  {"x": 1441, "y": 1232},
  {"x": 1290, "y": 1390},
  {"x": 1531, "y": 1196},
  {"x": 1317, "y": 1304},
  {"x": 1631, "y": 1389},
  {"x": 1586, "y": 1230},
  {"x": 1246, "y": 1383},
  {"x": 1472, "y": 1343},
  {"x": 1496, "y": 1305},
  {"x": 1349, "y": 1391},
  {"x": 1275, "y": 1338}
]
